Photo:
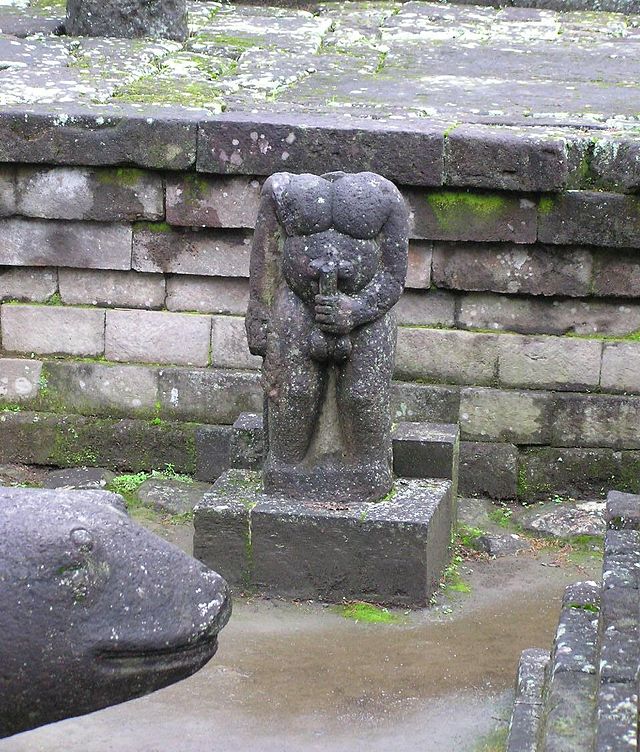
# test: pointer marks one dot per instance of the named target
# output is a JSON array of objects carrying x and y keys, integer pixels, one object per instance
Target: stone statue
[
  {"x": 94, "y": 609},
  {"x": 328, "y": 263}
]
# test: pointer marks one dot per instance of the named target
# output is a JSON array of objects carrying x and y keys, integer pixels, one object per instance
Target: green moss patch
[
  {"x": 367, "y": 612},
  {"x": 454, "y": 209}
]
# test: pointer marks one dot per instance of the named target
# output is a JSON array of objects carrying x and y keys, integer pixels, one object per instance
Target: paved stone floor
[{"x": 449, "y": 63}]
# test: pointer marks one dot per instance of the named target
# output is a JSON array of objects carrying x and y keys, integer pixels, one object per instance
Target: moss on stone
[
  {"x": 367, "y": 612},
  {"x": 156, "y": 227},
  {"x": 126, "y": 176},
  {"x": 545, "y": 205},
  {"x": 153, "y": 89},
  {"x": 454, "y": 209}
]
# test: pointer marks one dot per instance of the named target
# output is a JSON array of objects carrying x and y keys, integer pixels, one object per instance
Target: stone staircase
[{"x": 583, "y": 697}]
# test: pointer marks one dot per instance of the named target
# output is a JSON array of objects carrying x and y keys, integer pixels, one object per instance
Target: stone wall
[{"x": 123, "y": 292}]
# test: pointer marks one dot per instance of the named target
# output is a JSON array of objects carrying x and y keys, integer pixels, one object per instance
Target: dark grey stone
[
  {"x": 426, "y": 450},
  {"x": 623, "y": 511},
  {"x": 95, "y": 609},
  {"x": 212, "y": 451},
  {"x": 569, "y": 718},
  {"x": 409, "y": 152},
  {"x": 424, "y": 402},
  {"x": 247, "y": 442},
  {"x": 527, "y": 707},
  {"x": 328, "y": 262},
  {"x": 497, "y": 544},
  {"x": 488, "y": 469},
  {"x": 616, "y": 274},
  {"x": 392, "y": 551},
  {"x": 171, "y": 496},
  {"x": 20, "y": 24},
  {"x": 617, "y": 718},
  {"x": 566, "y": 520},
  {"x": 597, "y": 420},
  {"x": 620, "y": 643},
  {"x": 127, "y": 18},
  {"x": 79, "y": 478}
]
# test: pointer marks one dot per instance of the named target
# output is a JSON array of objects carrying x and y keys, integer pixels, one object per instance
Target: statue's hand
[{"x": 335, "y": 313}]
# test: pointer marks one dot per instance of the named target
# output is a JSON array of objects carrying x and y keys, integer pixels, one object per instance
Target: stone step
[{"x": 525, "y": 726}]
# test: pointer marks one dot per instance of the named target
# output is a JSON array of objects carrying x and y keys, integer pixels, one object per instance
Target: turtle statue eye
[{"x": 82, "y": 538}]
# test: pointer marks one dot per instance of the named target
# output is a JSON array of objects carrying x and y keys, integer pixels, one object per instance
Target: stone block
[
  {"x": 426, "y": 450},
  {"x": 209, "y": 396},
  {"x": 616, "y": 717},
  {"x": 519, "y": 417},
  {"x": 597, "y": 420},
  {"x": 229, "y": 348},
  {"x": 616, "y": 274},
  {"x": 426, "y": 308},
  {"x": 110, "y": 195},
  {"x": 463, "y": 215},
  {"x": 79, "y": 478},
  {"x": 140, "y": 18},
  {"x": 620, "y": 646},
  {"x": 27, "y": 284},
  {"x": 157, "y": 337},
  {"x": 549, "y": 362},
  {"x": 451, "y": 357},
  {"x": 576, "y": 472},
  {"x": 385, "y": 552},
  {"x": 570, "y": 701},
  {"x": 615, "y": 164},
  {"x": 534, "y": 315},
  {"x": 623, "y": 511},
  {"x": 158, "y": 248},
  {"x": 621, "y": 367},
  {"x": 488, "y": 469},
  {"x": 419, "y": 266},
  {"x": 506, "y": 158},
  {"x": 7, "y": 191},
  {"x": 52, "y": 330},
  {"x": 111, "y": 289},
  {"x": 212, "y": 451},
  {"x": 423, "y": 402},
  {"x": 196, "y": 200},
  {"x": 408, "y": 152},
  {"x": 170, "y": 495},
  {"x": 534, "y": 270},
  {"x": 87, "y": 245},
  {"x": 99, "y": 389},
  {"x": 226, "y": 295},
  {"x": 247, "y": 442},
  {"x": 68, "y": 134},
  {"x": 19, "y": 379},
  {"x": 590, "y": 218}
]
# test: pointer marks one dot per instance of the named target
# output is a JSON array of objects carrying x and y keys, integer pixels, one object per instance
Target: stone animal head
[{"x": 94, "y": 609}]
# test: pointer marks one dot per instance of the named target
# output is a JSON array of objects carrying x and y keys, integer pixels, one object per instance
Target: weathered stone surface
[
  {"x": 196, "y": 200},
  {"x": 597, "y": 420},
  {"x": 378, "y": 550},
  {"x": 51, "y": 330},
  {"x": 452, "y": 357},
  {"x": 7, "y": 191},
  {"x": 566, "y": 520},
  {"x": 212, "y": 451},
  {"x": 99, "y": 389},
  {"x": 591, "y": 218},
  {"x": 549, "y": 362},
  {"x": 27, "y": 284},
  {"x": 575, "y": 472},
  {"x": 79, "y": 478},
  {"x": 621, "y": 367},
  {"x": 170, "y": 496},
  {"x": 247, "y": 442},
  {"x": 617, "y": 717},
  {"x": 74, "y": 135},
  {"x": 571, "y": 699},
  {"x": 534, "y": 270},
  {"x": 501, "y": 544},
  {"x": 74, "y": 566},
  {"x": 35, "y": 242},
  {"x": 158, "y": 248},
  {"x": 157, "y": 337},
  {"x": 83, "y": 193},
  {"x": 419, "y": 268},
  {"x": 461, "y": 215},
  {"x": 243, "y": 144},
  {"x": 527, "y": 707},
  {"x": 422, "y": 402},
  {"x": 426, "y": 450},
  {"x": 615, "y": 165},
  {"x": 429, "y": 308},
  {"x": 209, "y": 395},
  {"x": 207, "y": 294},
  {"x": 507, "y": 416},
  {"x": 616, "y": 274},
  {"x": 620, "y": 646},
  {"x": 19, "y": 379},
  {"x": 504, "y": 158},
  {"x": 135, "y": 18},
  {"x": 488, "y": 469},
  {"x": 623, "y": 511},
  {"x": 529, "y": 315},
  {"x": 112, "y": 289},
  {"x": 229, "y": 348}
]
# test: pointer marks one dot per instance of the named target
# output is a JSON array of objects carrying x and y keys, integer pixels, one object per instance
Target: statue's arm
[{"x": 263, "y": 267}]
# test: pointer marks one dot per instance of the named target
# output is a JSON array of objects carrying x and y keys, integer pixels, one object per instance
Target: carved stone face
[{"x": 94, "y": 609}]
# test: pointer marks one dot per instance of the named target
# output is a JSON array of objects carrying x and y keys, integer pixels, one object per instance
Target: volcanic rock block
[
  {"x": 426, "y": 450},
  {"x": 127, "y": 18}
]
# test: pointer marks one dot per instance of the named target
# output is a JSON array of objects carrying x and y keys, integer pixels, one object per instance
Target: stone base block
[
  {"x": 392, "y": 551},
  {"x": 427, "y": 450}
]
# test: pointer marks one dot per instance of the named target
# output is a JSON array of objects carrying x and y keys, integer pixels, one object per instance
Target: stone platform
[{"x": 392, "y": 551}]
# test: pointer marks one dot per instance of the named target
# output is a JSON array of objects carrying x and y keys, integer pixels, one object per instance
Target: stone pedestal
[
  {"x": 392, "y": 551},
  {"x": 127, "y": 18}
]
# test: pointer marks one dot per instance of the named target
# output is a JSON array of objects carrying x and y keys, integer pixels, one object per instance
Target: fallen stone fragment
[
  {"x": 496, "y": 544},
  {"x": 567, "y": 521},
  {"x": 79, "y": 478},
  {"x": 170, "y": 496}
]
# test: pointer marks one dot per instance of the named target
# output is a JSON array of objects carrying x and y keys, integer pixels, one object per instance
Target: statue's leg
[
  {"x": 293, "y": 381},
  {"x": 363, "y": 391}
]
